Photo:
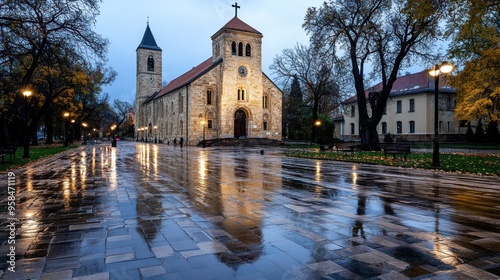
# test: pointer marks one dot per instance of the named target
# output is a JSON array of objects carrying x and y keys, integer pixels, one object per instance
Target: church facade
[{"x": 225, "y": 96}]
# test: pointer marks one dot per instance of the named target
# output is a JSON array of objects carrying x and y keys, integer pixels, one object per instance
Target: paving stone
[{"x": 145, "y": 211}]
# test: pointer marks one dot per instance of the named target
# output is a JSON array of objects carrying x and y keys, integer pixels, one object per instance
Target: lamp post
[
  {"x": 203, "y": 122},
  {"x": 84, "y": 133},
  {"x": 317, "y": 124},
  {"x": 438, "y": 70},
  {"x": 72, "y": 132},
  {"x": 26, "y": 152},
  {"x": 113, "y": 135},
  {"x": 66, "y": 128},
  {"x": 154, "y": 128}
]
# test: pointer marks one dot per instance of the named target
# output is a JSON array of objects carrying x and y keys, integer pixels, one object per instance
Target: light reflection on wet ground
[{"x": 146, "y": 211}]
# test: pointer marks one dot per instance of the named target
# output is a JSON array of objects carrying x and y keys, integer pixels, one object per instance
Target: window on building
[
  {"x": 353, "y": 111},
  {"x": 412, "y": 105},
  {"x": 352, "y": 128},
  {"x": 209, "y": 97},
  {"x": 385, "y": 110},
  {"x": 210, "y": 124},
  {"x": 399, "y": 106},
  {"x": 248, "y": 50},
  {"x": 241, "y": 94},
  {"x": 448, "y": 103},
  {"x": 264, "y": 101},
  {"x": 412, "y": 126},
  {"x": 181, "y": 107},
  {"x": 151, "y": 63},
  {"x": 233, "y": 48},
  {"x": 440, "y": 126},
  {"x": 181, "y": 125},
  {"x": 240, "y": 49},
  {"x": 384, "y": 128},
  {"x": 265, "y": 119},
  {"x": 448, "y": 127},
  {"x": 399, "y": 127},
  {"x": 264, "y": 125}
]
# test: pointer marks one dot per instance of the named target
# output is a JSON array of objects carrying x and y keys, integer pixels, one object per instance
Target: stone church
[{"x": 225, "y": 96}]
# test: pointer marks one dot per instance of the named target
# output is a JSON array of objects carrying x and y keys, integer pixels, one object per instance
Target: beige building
[
  {"x": 226, "y": 96},
  {"x": 409, "y": 111}
]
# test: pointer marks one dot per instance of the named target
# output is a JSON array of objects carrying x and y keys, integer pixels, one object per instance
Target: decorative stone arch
[
  {"x": 210, "y": 116},
  {"x": 266, "y": 122},
  {"x": 242, "y": 121},
  {"x": 151, "y": 62}
]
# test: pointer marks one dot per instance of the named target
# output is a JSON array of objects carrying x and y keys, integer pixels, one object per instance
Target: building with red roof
[
  {"x": 409, "y": 111},
  {"x": 225, "y": 96}
]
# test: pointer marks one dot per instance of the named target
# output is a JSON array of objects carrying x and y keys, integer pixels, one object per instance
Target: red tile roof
[
  {"x": 237, "y": 24},
  {"x": 409, "y": 84},
  {"x": 188, "y": 77}
]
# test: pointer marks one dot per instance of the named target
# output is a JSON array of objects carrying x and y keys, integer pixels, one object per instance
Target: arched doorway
[{"x": 240, "y": 124}]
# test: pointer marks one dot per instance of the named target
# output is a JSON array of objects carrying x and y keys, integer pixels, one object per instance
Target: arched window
[
  {"x": 210, "y": 120},
  {"x": 248, "y": 50},
  {"x": 240, "y": 49},
  {"x": 412, "y": 126},
  {"x": 151, "y": 63},
  {"x": 233, "y": 48},
  {"x": 265, "y": 101},
  {"x": 399, "y": 127},
  {"x": 265, "y": 122},
  {"x": 384, "y": 128},
  {"x": 209, "y": 97},
  {"x": 241, "y": 94}
]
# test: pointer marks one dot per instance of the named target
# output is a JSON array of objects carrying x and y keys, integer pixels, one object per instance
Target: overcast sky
[{"x": 182, "y": 29}]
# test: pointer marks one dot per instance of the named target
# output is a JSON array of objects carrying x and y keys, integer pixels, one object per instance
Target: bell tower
[{"x": 148, "y": 74}]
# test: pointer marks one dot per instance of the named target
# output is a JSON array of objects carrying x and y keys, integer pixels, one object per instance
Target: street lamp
[
  {"x": 113, "y": 135},
  {"x": 84, "y": 131},
  {"x": 317, "y": 124},
  {"x": 154, "y": 128},
  {"x": 66, "y": 128},
  {"x": 438, "y": 70},
  {"x": 203, "y": 124},
  {"x": 26, "y": 152}
]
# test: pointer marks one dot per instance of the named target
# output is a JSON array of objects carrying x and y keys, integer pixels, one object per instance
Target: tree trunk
[
  {"x": 49, "y": 126},
  {"x": 369, "y": 138}
]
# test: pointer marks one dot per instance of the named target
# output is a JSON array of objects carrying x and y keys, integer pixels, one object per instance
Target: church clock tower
[{"x": 148, "y": 74}]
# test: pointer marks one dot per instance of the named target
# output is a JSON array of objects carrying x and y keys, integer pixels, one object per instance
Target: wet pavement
[{"x": 147, "y": 211}]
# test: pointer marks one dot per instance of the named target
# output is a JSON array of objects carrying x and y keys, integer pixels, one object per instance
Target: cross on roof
[{"x": 236, "y": 7}]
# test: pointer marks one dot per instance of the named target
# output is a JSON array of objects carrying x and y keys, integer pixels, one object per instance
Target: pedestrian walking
[
  {"x": 181, "y": 142},
  {"x": 175, "y": 142}
]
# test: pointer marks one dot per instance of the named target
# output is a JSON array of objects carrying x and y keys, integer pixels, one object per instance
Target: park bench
[
  {"x": 8, "y": 150},
  {"x": 397, "y": 149},
  {"x": 340, "y": 147}
]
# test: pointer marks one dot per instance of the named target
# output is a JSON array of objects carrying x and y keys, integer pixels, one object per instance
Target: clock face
[{"x": 242, "y": 71}]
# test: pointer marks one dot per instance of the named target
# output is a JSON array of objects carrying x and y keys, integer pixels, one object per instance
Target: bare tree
[
  {"x": 385, "y": 34},
  {"x": 313, "y": 71}
]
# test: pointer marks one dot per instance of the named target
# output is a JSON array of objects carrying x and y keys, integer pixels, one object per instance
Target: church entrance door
[{"x": 240, "y": 124}]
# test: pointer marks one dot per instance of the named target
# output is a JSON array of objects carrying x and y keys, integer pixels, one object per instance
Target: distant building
[
  {"x": 409, "y": 113},
  {"x": 226, "y": 96}
]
